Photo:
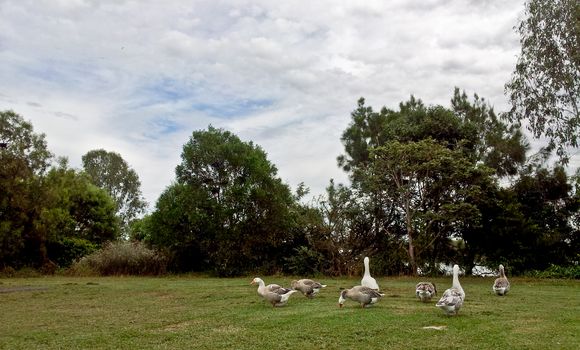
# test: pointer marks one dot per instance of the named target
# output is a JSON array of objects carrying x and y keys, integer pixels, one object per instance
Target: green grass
[{"x": 193, "y": 312}]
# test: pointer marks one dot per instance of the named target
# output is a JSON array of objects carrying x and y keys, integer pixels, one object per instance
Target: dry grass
[{"x": 193, "y": 312}]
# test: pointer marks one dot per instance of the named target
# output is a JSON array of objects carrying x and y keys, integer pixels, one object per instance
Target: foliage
[
  {"x": 432, "y": 187},
  {"x": 304, "y": 261},
  {"x": 227, "y": 210},
  {"x": 556, "y": 271},
  {"x": 527, "y": 226},
  {"x": 44, "y": 214},
  {"x": 487, "y": 139},
  {"x": 140, "y": 228},
  {"x": 24, "y": 157},
  {"x": 545, "y": 86},
  {"x": 67, "y": 250},
  {"x": 23, "y": 152},
  {"x": 471, "y": 126},
  {"x": 339, "y": 228},
  {"x": 74, "y": 207},
  {"x": 122, "y": 258},
  {"x": 469, "y": 137},
  {"x": 108, "y": 170}
]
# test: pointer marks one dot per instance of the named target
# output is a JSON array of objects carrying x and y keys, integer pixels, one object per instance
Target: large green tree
[
  {"x": 46, "y": 217},
  {"x": 433, "y": 187},
  {"x": 470, "y": 128},
  {"x": 544, "y": 88},
  {"x": 108, "y": 170},
  {"x": 227, "y": 204},
  {"x": 24, "y": 157}
]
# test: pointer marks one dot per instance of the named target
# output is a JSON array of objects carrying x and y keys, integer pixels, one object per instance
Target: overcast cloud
[{"x": 137, "y": 77}]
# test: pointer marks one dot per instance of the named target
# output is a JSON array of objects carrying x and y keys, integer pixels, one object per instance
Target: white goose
[
  {"x": 453, "y": 298},
  {"x": 273, "y": 293},
  {"x": 263, "y": 288},
  {"x": 307, "y": 286},
  {"x": 367, "y": 280},
  {"x": 364, "y": 295},
  {"x": 425, "y": 291},
  {"x": 501, "y": 285}
]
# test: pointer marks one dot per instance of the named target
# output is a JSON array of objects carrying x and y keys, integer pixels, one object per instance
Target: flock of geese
[{"x": 368, "y": 292}]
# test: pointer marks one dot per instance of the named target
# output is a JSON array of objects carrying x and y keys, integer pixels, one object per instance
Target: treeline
[
  {"x": 51, "y": 214},
  {"x": 430, "y": 185}
]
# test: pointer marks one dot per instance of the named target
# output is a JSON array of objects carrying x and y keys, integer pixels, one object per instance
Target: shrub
[
  {"x": 25, "y": 272},
  {"x": 304, "y": 261},
  {"x": 68, "y": 249},
  {"x": 122, "y": 258},
  {"x": 556, "y": 271}
]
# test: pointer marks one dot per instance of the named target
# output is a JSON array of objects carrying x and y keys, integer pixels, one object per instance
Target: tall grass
[
  {"x": 197, "y": 312},
  {"x": 121, "y": 258}
]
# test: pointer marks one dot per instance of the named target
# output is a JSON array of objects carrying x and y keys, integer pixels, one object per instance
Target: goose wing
[
  {"x": 451, "y": 297},
  {"x": 277, "y": 289}
]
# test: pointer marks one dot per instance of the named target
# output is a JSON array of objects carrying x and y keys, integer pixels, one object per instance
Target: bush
[
  {"x": 555, "y": 271},
  {"x": 122, "y": 258},
  {"x": 69, "y": 249},
  {"x": 305, "y": 261},
  {"x": 25, "y": 272}
]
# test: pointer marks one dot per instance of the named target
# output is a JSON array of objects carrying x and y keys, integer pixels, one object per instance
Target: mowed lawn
[{"x": 196, "y": 312}]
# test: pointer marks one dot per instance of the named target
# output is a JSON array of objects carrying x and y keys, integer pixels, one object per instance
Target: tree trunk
[{"x": 411, "y": 249}]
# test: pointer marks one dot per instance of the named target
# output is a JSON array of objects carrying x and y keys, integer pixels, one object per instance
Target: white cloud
[{"x": 138, "y": 77}]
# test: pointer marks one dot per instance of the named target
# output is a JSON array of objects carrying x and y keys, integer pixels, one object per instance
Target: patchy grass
[{"x": 193, "y": 312}]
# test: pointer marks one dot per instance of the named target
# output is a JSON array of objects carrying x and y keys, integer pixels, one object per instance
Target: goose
[
  {"x": 273, "y": 293},
  {"x": 501, "y": 285},
  {"x": 308, "y": 287},
  {"x": 277, "y": 299},
  {"x": 453, "y": 298},
  {"x": 425, "y": 291},
  {"x": 364, "y": 295},
  {"x": 367, "y": 280},
  {"x": 263, "y": 288}
]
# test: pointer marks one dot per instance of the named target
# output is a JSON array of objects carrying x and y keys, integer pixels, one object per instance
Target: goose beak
[{"x": 339, "y": 305}]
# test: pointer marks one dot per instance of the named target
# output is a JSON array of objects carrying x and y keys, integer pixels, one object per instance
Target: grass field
[{"x": 194, "y": 312}]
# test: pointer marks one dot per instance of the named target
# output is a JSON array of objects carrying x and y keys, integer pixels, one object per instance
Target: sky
[{"x": 138, "y": 77}]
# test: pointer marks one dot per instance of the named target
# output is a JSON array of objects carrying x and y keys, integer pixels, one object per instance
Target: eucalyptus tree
[
  {"x": 544, "y": 88},
  {"x": 109, "y": 171}
]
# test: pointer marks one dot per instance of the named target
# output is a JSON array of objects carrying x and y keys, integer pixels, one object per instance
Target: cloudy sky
[{"x": 137, "y": 77}]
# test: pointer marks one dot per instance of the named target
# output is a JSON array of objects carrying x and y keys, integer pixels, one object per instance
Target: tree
[
  {"x": 23, "y": 157},
  {"x": 227, "y": 207},
  {"x": 76, "y": 216},
  {"x": 486, "y": 138},
  {"x": 432, "y": 187},
  {"x": 108, "y": 170},
  {"x": 470, "y": 128},
  {"x": 45, "y": 216},
  {"x": 470, "y": 125},
  {"x": 545, "y": 86}
]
